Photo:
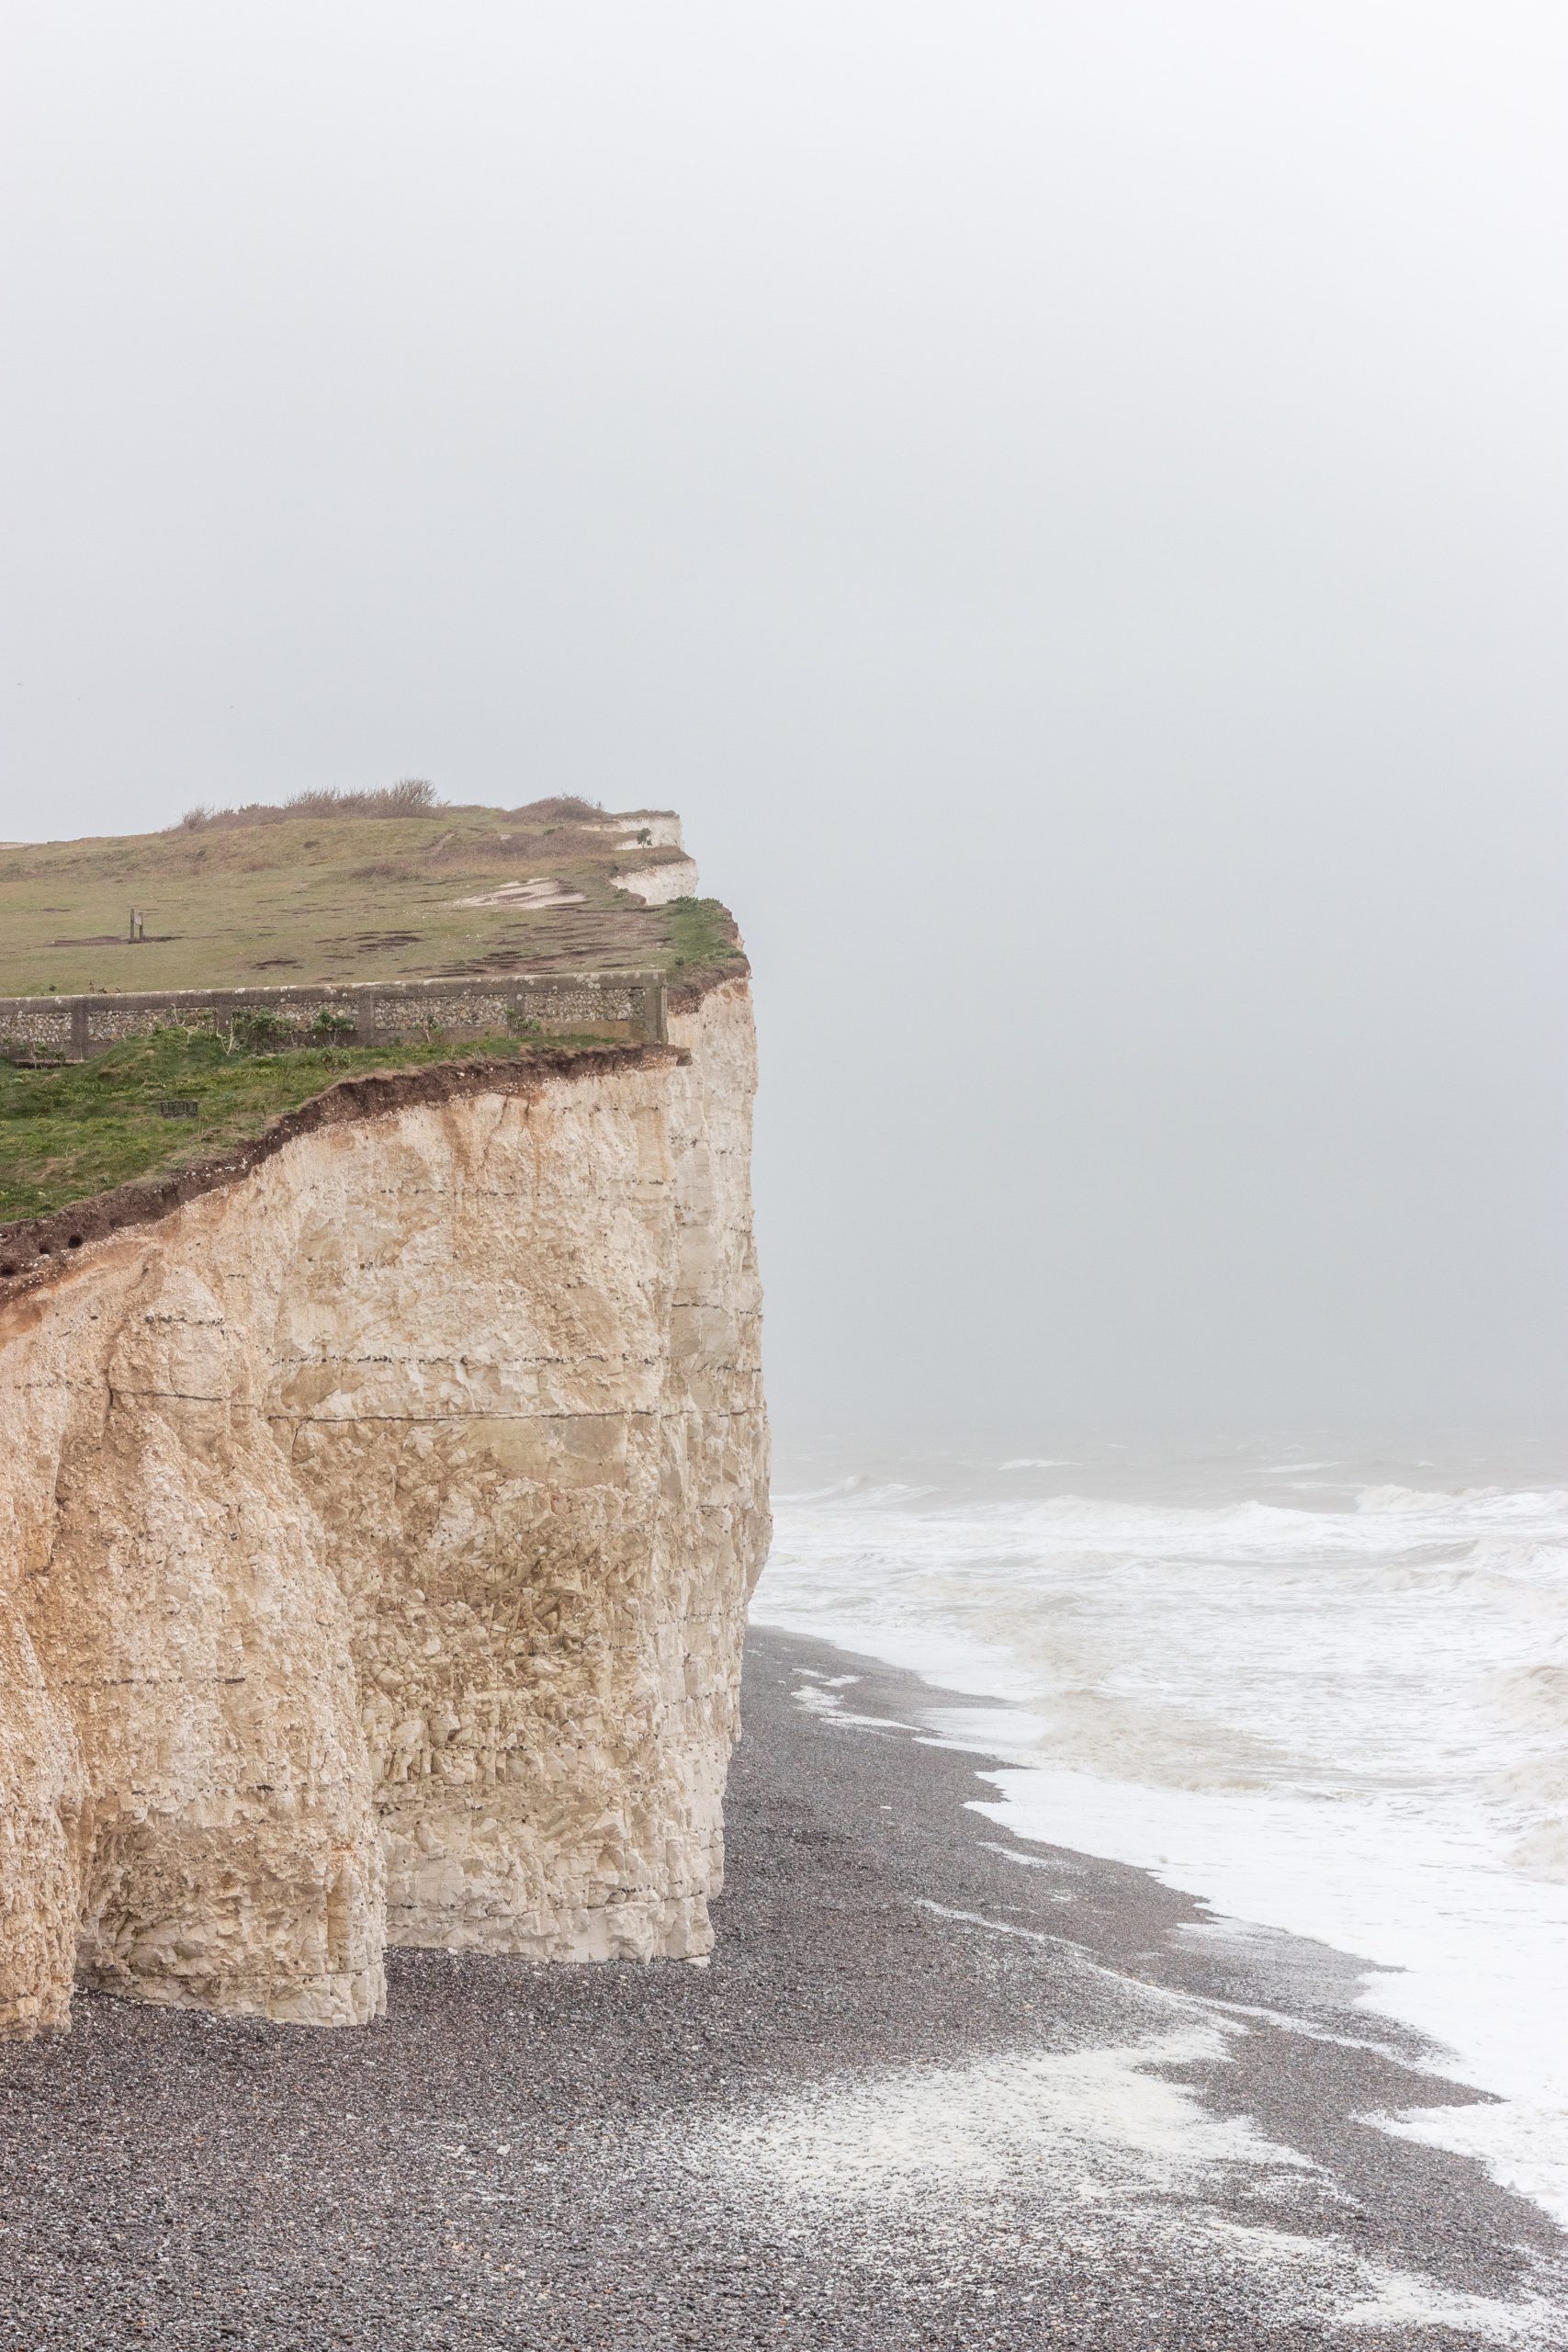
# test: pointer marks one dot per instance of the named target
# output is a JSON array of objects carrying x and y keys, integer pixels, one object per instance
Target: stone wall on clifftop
[{"x": 376, "y": 1534}]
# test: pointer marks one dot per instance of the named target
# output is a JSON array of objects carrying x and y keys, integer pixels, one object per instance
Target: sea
[{"x": 1325, "y": 1692}]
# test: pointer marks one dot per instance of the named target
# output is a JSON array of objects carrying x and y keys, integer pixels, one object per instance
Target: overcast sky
[{"x": 1069, "y": 500}]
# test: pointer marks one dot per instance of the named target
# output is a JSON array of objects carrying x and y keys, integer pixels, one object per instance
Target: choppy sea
[{"x": 1329, "y": 1696}]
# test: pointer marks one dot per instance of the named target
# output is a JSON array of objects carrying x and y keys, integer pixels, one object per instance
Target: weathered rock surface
[{"x": 376, "y": 1534}]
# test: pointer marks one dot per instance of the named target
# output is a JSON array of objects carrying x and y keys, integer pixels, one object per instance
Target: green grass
[
  {"x": 701, "y": 932},
  {"x": 68, "y": 1133}
]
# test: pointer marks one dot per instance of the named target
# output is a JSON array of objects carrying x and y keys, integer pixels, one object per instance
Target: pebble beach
[{"x": 938, "y": 2086}]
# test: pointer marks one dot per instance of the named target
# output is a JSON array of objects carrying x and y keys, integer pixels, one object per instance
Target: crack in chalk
[
  {"x": 455, "y": 1420},
  {"x": 171, "y": 1396}
]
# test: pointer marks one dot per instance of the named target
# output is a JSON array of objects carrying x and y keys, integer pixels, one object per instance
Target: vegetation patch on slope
[
  {"x": 154, "y": 1104},
  {"x": 702, "y": 936}
]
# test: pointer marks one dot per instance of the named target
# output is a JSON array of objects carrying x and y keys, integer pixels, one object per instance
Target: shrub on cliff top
[
  {"x": 565, "y": 806},
  {"x": 256, "y": 1029},
  {"x": 410, "y": 797}
]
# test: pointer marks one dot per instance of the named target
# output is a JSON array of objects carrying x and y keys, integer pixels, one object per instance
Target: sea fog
[{"x": 1326, "y": 1693}]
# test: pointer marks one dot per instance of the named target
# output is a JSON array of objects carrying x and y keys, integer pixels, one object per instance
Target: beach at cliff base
[{"x": 939, "y": 2085}]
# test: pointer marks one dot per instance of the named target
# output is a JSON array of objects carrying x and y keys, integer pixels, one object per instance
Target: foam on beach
[{"x": 1097, "y": 2153}]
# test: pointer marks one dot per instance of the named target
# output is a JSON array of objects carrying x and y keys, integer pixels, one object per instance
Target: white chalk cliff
[{"x": 376, "y": 1532}]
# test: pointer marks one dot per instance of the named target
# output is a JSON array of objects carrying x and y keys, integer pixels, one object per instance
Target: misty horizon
[{"x": 1069, "y": 509}]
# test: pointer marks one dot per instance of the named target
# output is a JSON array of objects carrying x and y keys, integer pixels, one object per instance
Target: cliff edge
[{"x": 376, "y": 1526}]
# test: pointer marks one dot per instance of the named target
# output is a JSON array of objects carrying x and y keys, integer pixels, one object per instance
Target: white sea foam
[
  {"x": 1337, "y": 1709},
  {"x": 1098, "y": 2147},
  {"x": 1108, "y": 2120}
]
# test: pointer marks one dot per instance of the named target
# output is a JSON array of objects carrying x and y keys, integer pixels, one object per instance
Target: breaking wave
[{"x": 1333, "y": 1703}]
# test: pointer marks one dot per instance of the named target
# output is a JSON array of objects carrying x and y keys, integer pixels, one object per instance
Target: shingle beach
[{"x": 936, "y": 2087}]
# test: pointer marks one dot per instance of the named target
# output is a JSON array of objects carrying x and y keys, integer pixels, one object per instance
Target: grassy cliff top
[{"x": 340, "y": 888}]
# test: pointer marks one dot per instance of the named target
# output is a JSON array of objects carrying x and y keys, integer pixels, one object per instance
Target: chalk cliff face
[{"x": 376, "y": 1532}]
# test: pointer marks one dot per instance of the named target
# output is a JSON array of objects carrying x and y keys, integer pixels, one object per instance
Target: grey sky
[{"x": 1069, "y": 502}]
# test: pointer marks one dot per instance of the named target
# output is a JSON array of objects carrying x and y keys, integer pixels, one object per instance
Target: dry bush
[{"x": 410, "y": 797}]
